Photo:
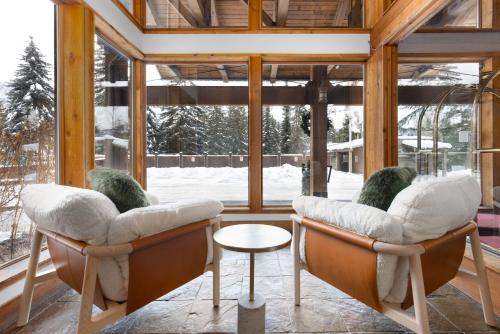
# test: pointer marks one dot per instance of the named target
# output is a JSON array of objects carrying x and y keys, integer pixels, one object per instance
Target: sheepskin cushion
[
  {"x": 428, "y": 209},
  {"x": 382, "y": 186},
  {"x": 120, "y": 187},
  {"x": 76, "y": 213}
]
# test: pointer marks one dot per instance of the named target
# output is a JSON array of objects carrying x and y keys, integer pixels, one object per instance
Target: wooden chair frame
[
  {"x": 88, "y": 323},
  {"x": 420, "y": 322}
]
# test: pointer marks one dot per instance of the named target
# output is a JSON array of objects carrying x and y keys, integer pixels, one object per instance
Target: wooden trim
[
  {"x": 254, "y": 15},
  {"x": 139, "y": 121},
  {"x": 264, "y": 209},
  {"x": 139, "y": 12},
  {"x": 224, "y": 58},
  {"x": 128, "y": 14},
  {"x": 401, "y": 19},
  {"x": 464, "y": 57},
  {"x": 263, "y": 30},
  {"x": 116, "y": 39},
  {"x": 255, "y": 133},
  {"x": 430, "y": 30},
  {"x": 75, "y": 93}
]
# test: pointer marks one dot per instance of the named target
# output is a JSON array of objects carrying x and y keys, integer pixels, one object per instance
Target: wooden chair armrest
[
  {"x": 76, "y": 245},
  {"x": 161, "y": 237}
]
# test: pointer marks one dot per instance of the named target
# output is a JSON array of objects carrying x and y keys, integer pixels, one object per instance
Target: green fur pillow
[
  {"x": 120, "y": 188},
  {"x": 382, "y": 186}
]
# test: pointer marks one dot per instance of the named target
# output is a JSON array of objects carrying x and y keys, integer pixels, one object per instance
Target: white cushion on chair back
[
  {"x": 77, "y": 213},
  {"x": 428, "y": 209}
]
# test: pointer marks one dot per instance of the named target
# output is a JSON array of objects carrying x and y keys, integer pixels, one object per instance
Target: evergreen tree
[
  {"x": 298, "y": 139},
  {"x": 343, "y": 132},
  {"x": 31, "y": 97},
  {"x": 271, "y": 135},
  {"x": 237, "y": 130},
  {"x": 286, "y": 131},
  {"x": 181, "y": 130},
  {"x": 99, "y": 72},
  {"x": 215, "y": 133},
  {"x": 152, "y": 132}
]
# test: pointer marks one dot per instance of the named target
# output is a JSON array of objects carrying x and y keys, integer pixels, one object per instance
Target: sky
[{"x": 19, "y": 20}]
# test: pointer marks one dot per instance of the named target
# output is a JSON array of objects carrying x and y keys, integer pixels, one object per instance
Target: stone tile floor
[{"x": 324, "y": 308}]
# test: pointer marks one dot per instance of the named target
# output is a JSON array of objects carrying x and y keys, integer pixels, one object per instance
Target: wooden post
[
  {"x": 381, "y": 110},
  {"x": 255, "y": 134},
  {"x": 75, "y": 93},
  {"x": 418, "y": 291},
  {"x": 296, "y": 260},
  {"x": 319, "y": 121},
  {"x": 490, "y": 118},
  {"x": 139, "y": 121}
]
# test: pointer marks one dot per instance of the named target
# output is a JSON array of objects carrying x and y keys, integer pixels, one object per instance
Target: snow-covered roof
[
  {"x": 425, "y": 144},
  {"x": 116, "y": 141},
  {"x": 342, "y": 146},
  {"x": 405, "y": 140}
]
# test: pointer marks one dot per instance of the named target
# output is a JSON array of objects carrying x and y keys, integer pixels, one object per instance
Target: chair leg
[
  {"x": 418, "y": 291},
  {"x": 87, "y": 299},
  {"x": 484, "y": 288},
  {"x": 29, "y": 283},
  {"x": 216, "y": 275},
  {"x": 296, "y": 261}
]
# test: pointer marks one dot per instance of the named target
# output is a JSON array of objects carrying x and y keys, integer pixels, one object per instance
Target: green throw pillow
[
  {"x": 382, "y": 186},
  {"x": 119, "y": 187}
]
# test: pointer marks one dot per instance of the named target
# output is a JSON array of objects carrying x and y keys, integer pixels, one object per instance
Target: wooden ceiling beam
[
  {"x": 341, "y": 12},
  {"x": 198, "y": 12},
  {"x": 401, "y": 19},
  {"x": 282, "y": 12},
  {"x": 184, "y": 12},
  {"x": 266, "y": 19},
  {"x": 274, "y": 73}
]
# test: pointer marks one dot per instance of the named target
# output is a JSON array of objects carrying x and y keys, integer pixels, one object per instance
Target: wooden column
[
  {"x": 254, "y": 14},
  {"x": 490, "y": 111},
  {"x": 75, "y": 93},
  {"x": 381, "y": 110},
  {"x": 255, "y": 134},
  {"x": 139, "y": 122},
  {"x": 319, "y": 121},
  {"x": 139, "y": 11}
]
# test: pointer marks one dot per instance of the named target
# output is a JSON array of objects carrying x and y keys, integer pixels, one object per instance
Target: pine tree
[
  {"x": 181, "y": 130},
  {"x": 152, "y": 132},
  {"x": 298, "y": 139},
  {"x": 237, "y": 130},
  {"x": 215, "y": 133},
  {"x": 286, "y": 131},
  {"x": 99, "y": 72},
  {"x": 271, "y": 136},
  {"x": 31, "y": 97},
  {"x": 343, "y": 132}
]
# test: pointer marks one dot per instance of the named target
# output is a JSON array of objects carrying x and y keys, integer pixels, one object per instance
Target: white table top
[{"x": 252, "y": 238}]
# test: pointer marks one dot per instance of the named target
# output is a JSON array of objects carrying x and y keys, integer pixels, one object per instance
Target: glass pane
[
  {"x": 458, "y": 13},
  {"x": 196, "y": 14},
  {"x": 197, "y": 132},
  {"x": 112, "y": 110},
  {"x": 290, "y": 99},
  {"x": 27, "y": 116},
  {"x": 449, "y": 89},
  {"x": 313, "y": 13}
]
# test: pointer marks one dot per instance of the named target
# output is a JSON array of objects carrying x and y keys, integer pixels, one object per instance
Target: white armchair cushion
[
  {"x": 360, "y": 219},
  {"x": 428, "y": 209},
  {"x": 77, "y": 213}
]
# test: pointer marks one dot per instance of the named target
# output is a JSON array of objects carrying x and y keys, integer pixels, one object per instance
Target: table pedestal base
[{"x": 251, "y": 314}]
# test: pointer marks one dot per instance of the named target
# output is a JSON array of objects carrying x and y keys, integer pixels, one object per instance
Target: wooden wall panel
[
  {"x": 75, "y": 93},
  {"x": 255, "y": 134},
  {"x": 139, "y": 122},
  {"x": 381, "y": 104}
]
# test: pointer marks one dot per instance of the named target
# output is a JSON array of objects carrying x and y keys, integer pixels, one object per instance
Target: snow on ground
[{"x": 230, "y": 185}]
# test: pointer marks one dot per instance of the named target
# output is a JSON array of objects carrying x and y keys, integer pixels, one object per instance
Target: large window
[
  {"x": 196, "y": 14},
  {"x": 313, "y": 13},
  {"x": 312, "y": 131},
  {"x": 197, "y": 132},
  {"x": 27, "y": 115},
  {"x": 438, "y": 99},
  {"x": 112, "y": 111}
]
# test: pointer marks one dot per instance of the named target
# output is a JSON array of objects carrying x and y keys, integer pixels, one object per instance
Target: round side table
[{"x": 252, "y": 238}]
